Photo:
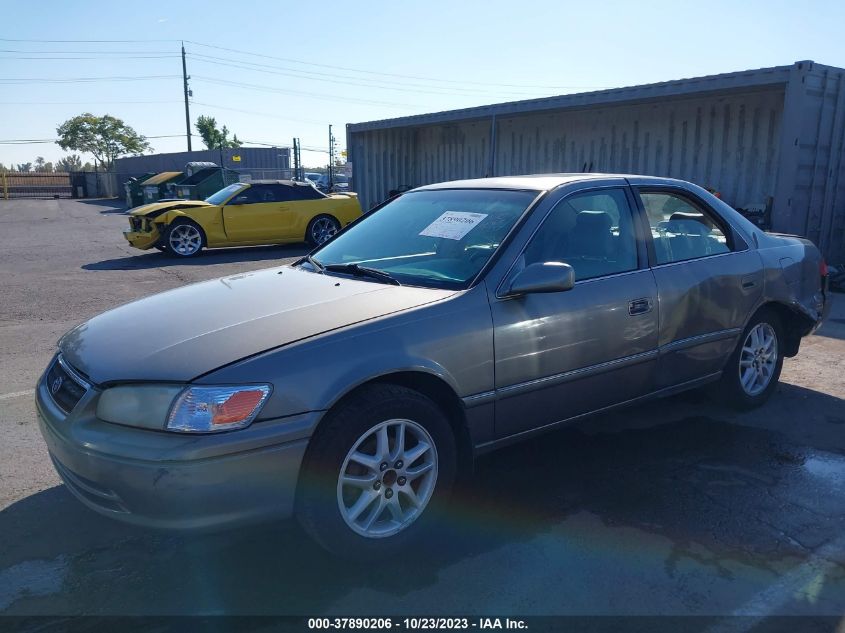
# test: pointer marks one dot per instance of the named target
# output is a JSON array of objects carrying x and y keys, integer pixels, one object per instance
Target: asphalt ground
[{"x": 678, "y": 507}]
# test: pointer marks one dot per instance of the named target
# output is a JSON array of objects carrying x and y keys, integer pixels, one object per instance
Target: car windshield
[
  {"x": 437, "y": 238},
  {"x": 224, "y": 194}
]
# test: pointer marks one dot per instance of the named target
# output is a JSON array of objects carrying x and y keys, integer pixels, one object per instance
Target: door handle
[
  {"x": 639, "y": 306},
  {"x": 748, "y": 282}
]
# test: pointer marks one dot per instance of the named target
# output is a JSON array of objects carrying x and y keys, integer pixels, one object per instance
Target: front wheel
[
  {"x": 376, "y": 471},
  {"x": 184, "y": 238},
  {"x": 321, "y": 229},
  {"x": 753, "y": 370}
]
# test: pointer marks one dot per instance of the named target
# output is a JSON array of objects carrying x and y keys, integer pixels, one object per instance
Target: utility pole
[
  {"x": 298, "y": 172},
  {"x": 331, "y": 158},
  {"x": 187, "y": 92}
]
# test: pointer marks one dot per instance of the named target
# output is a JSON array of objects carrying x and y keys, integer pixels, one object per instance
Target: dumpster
[
  {"x": 134, "y": 191},
  {"x": 155, "y": 188},
  {"x": 203, "y": 182}
]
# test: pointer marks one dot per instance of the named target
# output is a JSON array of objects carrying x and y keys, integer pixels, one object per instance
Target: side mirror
[{"x": 543, "y": 277}]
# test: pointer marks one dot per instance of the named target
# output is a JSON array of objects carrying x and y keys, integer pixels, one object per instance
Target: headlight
[
  {"x": 145, "y": 406},
  {"x": 184, "y": 409},
  {"x": 211, "y": 409}
]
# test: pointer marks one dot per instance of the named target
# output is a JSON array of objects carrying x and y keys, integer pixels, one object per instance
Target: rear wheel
[
  {"x": 321, "y": 229},
  {"x": 753, "y": 370},
  {"x": 376, "y": 471},
  {"x": 184, "y": 238}
]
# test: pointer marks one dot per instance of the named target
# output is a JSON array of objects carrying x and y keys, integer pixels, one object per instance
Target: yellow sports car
[{"x": 243, "y": 214}]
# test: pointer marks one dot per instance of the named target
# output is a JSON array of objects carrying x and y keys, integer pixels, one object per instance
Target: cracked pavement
[{"x": 679, "y": 507}]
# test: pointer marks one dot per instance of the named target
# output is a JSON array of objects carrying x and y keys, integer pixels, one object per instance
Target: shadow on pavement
[
  {"x": 740, "y": 503},
  {"x": 155, "y": 259},
  {"x": 108, "y": 205}
]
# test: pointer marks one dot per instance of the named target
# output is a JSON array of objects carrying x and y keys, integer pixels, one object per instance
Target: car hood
[
  {"x": 181, "y": 334},
  {"x": 157, "y": 208}
]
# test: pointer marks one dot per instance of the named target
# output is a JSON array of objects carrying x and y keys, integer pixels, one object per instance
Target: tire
[
  {"x": 749, "y": 362},
  {"x": 326, "y": 504},
  {"x": 320, "y": 229},
  {"x": 184, "y": 238}
]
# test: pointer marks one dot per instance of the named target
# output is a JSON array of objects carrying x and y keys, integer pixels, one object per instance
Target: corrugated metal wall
[
  {"x": 816, "y": 207},
  {"x": 728, "y": 142},
  {"x": 783, "y": 140}
]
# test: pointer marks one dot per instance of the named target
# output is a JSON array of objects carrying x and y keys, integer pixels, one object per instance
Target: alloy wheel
[
  {"x": 322, "y": 230},
  {"x": 185, "y": 239},
  {"x": 387, "y": 478},
  {"x": 758, "y": 359}
]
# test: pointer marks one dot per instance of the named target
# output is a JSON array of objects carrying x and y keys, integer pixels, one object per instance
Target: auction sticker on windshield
[{"x": 453, "y": 225}]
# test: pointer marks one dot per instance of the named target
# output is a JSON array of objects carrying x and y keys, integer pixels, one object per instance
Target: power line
[
  {"x": 8, "y": 39},
  {"x": 96, "y": 58},
  {"x": 383, "y": 74},
  {"x": 83, "y": 102},
  {"x": 19, "y": 80},
  {"x": 460, "y": 82},
  {"x": 312, "y": 95},
  {"x": 340, "y": 79},
  {"x": 272, "y": 116},
  {"x": 30, "y": 141},
  {"x": 310, "y": 149},
  {"x": 17, "y": 50}
]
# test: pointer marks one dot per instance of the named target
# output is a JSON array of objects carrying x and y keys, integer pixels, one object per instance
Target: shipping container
[{"x": 770, "y": 140}]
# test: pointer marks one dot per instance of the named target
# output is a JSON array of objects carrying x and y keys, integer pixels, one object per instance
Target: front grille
[{"x": 64, "y": 386}]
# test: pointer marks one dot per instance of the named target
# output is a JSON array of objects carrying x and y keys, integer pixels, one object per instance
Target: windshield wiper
[
  {"x": 363, "y": 271},
  {"x": 317, "y": 266}
]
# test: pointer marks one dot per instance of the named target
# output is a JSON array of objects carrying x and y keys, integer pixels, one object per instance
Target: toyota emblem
[{"x": 56, "y": 385}]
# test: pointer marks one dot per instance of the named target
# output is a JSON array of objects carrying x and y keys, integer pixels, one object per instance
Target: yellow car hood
[{"x": 157, "y": 208}]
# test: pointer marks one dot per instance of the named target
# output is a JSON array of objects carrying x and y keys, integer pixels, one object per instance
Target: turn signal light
[{"x": 220, "y": 408}]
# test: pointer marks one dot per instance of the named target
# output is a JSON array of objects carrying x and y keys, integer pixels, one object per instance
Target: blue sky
[{"x": 312, "y": 64}]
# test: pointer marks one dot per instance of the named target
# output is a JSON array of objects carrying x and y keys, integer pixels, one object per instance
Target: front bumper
[
  {"x": 142, "y": 240},
  {"x": 169, "y": 480}
]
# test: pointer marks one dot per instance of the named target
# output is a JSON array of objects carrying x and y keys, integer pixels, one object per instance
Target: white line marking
[
  {"x": 17, "y": 394},
  {"x": 800, "y": 584}
]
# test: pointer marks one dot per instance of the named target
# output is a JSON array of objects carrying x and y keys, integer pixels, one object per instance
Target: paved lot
[{"x": 679, "y": 507}]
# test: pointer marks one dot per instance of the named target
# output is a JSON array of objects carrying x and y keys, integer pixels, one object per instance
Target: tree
[
  {"x": 105, "y": 137},
  {"x": 212, "y": 137},
  {"x": 71, "y": 162},
  {"x": 24, "y": 167},
  {"x": 42, "y": 166}
]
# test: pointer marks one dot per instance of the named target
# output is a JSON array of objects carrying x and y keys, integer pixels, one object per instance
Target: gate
[{"x": 34, "y": 185}]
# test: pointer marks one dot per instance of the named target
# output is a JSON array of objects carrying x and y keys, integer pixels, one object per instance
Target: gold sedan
[{"x": 243, "y": 214}]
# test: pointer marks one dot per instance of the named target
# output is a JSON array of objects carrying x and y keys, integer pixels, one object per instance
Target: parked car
[
  {"x": 339, "y": 183},
  {"x": 242, "y": 214},
  {"x": 351, "y": 387},
  {"x": 313, "y": 176}
]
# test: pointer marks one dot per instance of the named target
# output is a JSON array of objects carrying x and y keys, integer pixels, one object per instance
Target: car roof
[
  {"x": 537, "y": 182},
  {"x": 289, "y": 183}
]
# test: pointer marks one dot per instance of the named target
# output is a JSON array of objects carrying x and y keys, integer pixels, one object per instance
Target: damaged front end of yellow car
[
  {"x": 143, "y": 233},
  {"x": 148, "y": 223}
]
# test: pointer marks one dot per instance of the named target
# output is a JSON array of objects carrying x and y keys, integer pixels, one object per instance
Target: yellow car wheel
[
  {"x": 321, "y": 229},
  {"x": 184, "y": 238}
]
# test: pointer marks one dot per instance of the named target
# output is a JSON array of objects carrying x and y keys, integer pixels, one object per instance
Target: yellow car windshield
[{"x": 224, "y": 194}]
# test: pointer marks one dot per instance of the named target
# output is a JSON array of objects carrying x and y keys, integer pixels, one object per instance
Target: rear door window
[{"x": 682, "y": 229}]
